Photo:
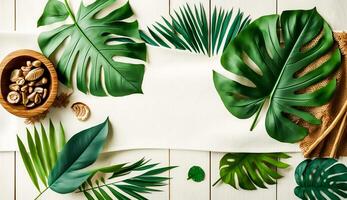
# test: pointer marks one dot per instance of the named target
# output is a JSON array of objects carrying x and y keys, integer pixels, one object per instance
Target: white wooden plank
[
  {"x": 286, "y": 185},
  {"x": 225, "y": 192},
  {"x": 28, "y": 12},
  {"x": 7, "y": 15},
  {"x": 7, "y": 175},
  {"x": 26, "y": 190},
  {"x": 334, "y": 11},
  {"x": 180, "y": 187},
  {"x": 250, "y": 7}
]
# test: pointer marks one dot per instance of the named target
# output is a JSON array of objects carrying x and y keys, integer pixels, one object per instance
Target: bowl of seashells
[{"x": 29, "y": 83}]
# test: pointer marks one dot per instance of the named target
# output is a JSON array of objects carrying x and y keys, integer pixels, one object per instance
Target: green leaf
[
  {"x": 46, "y": 149},
  {"x": 62, "y": 140},
  {"x": 27, "y": 162},
  {"x": 40, "y": 152},
  {"x": 251, "y": 170},
  {"x": 134, "y": 186},
  {"x": 189, "y": 30},
  {"x": 38, "y": 161},
  {"x": 80, "y": 151},
  {"x": 274, "y": 77},
  {"x": 52, "y": 142},
  {"x": 196, "y": 173},
  {"x": 321, "y": 176},
  {"x": 55, "y": 11},
  {"x": 93, "y": 43},
  {"x": 35, "y": 158}
]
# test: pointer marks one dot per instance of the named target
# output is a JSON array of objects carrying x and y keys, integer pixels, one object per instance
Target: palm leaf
[
  {"x": 38, "y": 158},
  {"x": 251, "y": 170},
  {"x": 91, "y": 44},
  {"x": 321, "y": 178},
  {"x": 274, "y": 77},
  {"x": 189, "y": 30},
  {"x": 128, "y": 188}
]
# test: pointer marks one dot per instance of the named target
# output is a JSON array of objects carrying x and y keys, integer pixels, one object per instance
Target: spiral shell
[{"x": 81, "y": 111}]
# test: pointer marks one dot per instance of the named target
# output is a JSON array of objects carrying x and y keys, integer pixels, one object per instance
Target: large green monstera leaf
[
  {"x": 321, "y": 178},
  {"x": 271, "y": 68},
  {"x": 94, "y": 47}
]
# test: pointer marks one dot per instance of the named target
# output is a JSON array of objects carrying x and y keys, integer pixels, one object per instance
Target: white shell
[{"x": 81, "y": 111}]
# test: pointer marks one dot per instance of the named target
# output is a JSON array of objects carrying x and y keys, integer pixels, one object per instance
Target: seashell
[
  {"x": 29, "y": 64},
  {"x": 20, "y": 81},
  {"x": 14, "y": 87},
  {"x": 42, "y": 81},
  {"x": 37, "y": 63},
  {"x": 38, "y": 90},
  {"x": 24, "y": 88},
  {"x": 81, "y": 111},
  {"x": 32, "y": 83},
  {"x": 30, "y": 105},
  {"x": 37, "y": 99},
  {"x": 34, "y": 74},
  {"x": 13, "y": 97},
  {"x": 15, "y": 74},
  {"x": 25, "y": 99},
  {"x": 45, "y": 92},
  {"x": 31, "y": 96}
]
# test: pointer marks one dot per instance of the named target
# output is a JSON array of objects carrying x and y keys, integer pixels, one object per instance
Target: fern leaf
[{"x": 189, "y": 30}]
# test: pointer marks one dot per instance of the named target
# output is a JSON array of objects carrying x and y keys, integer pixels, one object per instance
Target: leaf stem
[
  {"x": 41, "y": 193},
  {"x": 214, "y": 184},
  {"x": 257, "y": 115}
]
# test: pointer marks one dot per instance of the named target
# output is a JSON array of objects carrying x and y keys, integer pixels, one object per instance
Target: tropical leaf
[
  {"x": 133, "y": 186},
  {"x": 79, "y": 152},
  {"x": 321, "y": 179},
  {"x": 257, "y": 55},
  {"x": 196, "y": 173},
  {"x": 251, "y": 170},
  {"x": 189, "y": 30},
  {"x": 91, "y": 45},
  {"x": 38, "y": 160}
]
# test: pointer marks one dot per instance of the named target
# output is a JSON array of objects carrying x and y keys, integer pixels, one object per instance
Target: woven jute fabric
[{"x": 328, "y": 112}]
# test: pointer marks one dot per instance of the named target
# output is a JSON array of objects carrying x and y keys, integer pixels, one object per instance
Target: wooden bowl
[{"x": 15, "y": 60}]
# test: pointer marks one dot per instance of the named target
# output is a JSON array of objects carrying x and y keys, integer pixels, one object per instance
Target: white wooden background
[{"x": 21, "y": 15}]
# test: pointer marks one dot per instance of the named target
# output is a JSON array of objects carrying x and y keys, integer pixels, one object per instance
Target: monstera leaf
[
  {"x": 93, "y": 47},
  {"x": 251, "y": 169},
  {"x": 271, "y": 68},
  {"x": 321, "y": 178}
]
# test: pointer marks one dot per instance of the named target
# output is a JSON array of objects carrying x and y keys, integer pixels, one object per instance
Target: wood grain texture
[
  {"x": 7, "y": 175},
  {"x": 13, "y": 61}
]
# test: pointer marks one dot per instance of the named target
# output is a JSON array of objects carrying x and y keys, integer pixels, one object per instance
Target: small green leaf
[
  {"x": 80, "y": 151},
  {"x": 27, "y": 162},
  {"x": 55, "y": 11},
  {"x": 196, "y": 173}
]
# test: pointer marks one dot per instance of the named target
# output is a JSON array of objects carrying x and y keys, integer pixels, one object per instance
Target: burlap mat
[{"x": 327, "y": 113}]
